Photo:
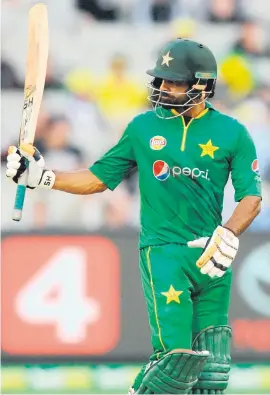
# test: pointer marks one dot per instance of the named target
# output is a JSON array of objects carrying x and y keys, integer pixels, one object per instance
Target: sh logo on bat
[{"x": 27, "y": 109}]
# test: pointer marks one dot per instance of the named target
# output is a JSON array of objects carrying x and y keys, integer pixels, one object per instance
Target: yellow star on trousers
[
  {"x": 208, "y": 149},
  {"x": 166, "y": 59},
  {"x": 172, "y": 295}
]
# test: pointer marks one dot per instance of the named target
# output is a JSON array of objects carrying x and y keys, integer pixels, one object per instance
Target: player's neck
[{"x": 195, "y": 111}]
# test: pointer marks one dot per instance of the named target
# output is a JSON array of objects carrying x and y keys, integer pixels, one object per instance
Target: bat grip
[{"x": 20, "y": 196}]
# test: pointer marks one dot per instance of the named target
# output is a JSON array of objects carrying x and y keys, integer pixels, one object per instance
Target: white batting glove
[
  {"x": 17, "y": 162},
  {"x": 219, "y": 251}
]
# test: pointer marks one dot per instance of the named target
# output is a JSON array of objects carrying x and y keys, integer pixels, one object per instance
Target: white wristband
[{"x": 47, "y": 179}]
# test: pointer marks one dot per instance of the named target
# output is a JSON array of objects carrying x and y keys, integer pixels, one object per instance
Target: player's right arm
[
  {"x": 107, "y": 172},
  {"x": 80, "y": 182}
]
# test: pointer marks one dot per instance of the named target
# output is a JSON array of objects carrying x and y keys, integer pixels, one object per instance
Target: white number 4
[{"x": 70, "y": 310}]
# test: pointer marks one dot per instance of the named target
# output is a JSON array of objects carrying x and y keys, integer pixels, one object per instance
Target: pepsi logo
[
  {"x": 255, "y": 166},
  {"x": 158, "y": 142},
  {"x": 161, "y": 170}
]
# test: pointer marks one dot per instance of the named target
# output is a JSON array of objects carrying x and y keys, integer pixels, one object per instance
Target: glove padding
[
  {"x": 219, "y": 251},
  {"x": 27, "y": 156}
]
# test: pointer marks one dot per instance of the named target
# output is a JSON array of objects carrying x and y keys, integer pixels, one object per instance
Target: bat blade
[{"x": 36, "y": 66}]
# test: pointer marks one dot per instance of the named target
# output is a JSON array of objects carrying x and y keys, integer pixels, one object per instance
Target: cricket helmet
[{"x": 187, "y": 61}]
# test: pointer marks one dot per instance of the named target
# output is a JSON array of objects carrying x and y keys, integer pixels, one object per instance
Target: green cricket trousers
[{"x": 181, "y": 301}]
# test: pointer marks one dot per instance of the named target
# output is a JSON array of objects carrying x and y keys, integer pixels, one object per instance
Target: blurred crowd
[
  {"x": 103, "y": 104},
  {"x": 160, "y": 11}
]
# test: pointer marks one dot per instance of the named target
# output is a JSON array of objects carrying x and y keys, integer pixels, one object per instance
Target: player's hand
[
  {"x": 19, "y": 159},
  {"x": 219, "y": 251}
]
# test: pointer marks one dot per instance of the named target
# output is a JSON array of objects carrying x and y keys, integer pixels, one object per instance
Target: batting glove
[
  {"x": 27, "y": 156},
  {"x": 219, "y": 251}
]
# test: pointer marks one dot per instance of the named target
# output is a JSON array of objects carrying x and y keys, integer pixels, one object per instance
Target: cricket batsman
[{"x": 184, "y": 150}]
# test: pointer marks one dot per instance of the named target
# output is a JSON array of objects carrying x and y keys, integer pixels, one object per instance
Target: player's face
[{"x": 173, "y": 93}]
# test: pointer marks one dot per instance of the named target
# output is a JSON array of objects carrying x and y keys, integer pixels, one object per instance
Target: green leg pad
[
  {"x": 139, "y": 377},
  {"x": 214, "y": 377},
  {"x": 176, "y": 373}
]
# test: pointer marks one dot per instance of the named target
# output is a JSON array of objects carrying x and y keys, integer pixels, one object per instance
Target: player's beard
[{"x": 171, "y": 102}]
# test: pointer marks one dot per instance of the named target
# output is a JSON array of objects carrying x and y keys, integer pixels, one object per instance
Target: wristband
[{"x": 47, "y": 179}]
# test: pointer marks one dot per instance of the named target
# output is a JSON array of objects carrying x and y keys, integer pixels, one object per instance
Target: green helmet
[{"x": 185, "y": 60}]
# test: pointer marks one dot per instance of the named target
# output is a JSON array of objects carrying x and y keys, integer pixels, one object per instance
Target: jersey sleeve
[
  {"x": 117, "y": 163},
  {"x": 244, "y": 167}
]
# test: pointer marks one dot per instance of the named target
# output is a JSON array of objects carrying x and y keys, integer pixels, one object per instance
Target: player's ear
[{"x": 199, "y": 87}]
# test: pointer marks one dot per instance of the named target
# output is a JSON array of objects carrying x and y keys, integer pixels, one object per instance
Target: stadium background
[{"x": 73, "y": 315}]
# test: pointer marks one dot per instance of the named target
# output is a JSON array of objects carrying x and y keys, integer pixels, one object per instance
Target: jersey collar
[{"x": 208, "y": 106}]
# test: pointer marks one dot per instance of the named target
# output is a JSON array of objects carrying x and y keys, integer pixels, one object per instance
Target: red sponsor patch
[{"x": 255, "y": 166}]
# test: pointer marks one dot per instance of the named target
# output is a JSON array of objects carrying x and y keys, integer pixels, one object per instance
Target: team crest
[{"x": 158, "y": 142}]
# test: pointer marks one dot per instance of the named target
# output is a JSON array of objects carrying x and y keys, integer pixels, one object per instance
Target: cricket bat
[{"x": 36, "y": 65}]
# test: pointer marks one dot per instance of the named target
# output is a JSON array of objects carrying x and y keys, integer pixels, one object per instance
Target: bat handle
[{"x": 20, "y": 195}]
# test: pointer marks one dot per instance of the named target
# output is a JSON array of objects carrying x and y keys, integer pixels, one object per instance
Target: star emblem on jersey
[
  {"x": 166, "y": 59},
  {"x": 172, "y": 295},
  {"x": 208, "y": 149}
]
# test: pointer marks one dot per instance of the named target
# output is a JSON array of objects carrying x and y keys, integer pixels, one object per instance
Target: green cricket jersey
[{"x": 183, "y": 169}]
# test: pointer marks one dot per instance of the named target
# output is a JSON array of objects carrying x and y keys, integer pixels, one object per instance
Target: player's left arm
[
  {"x": 221, "y": 248},
  {"x": 244, "y": 214},
  {"x": 246, "y": 180}
]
